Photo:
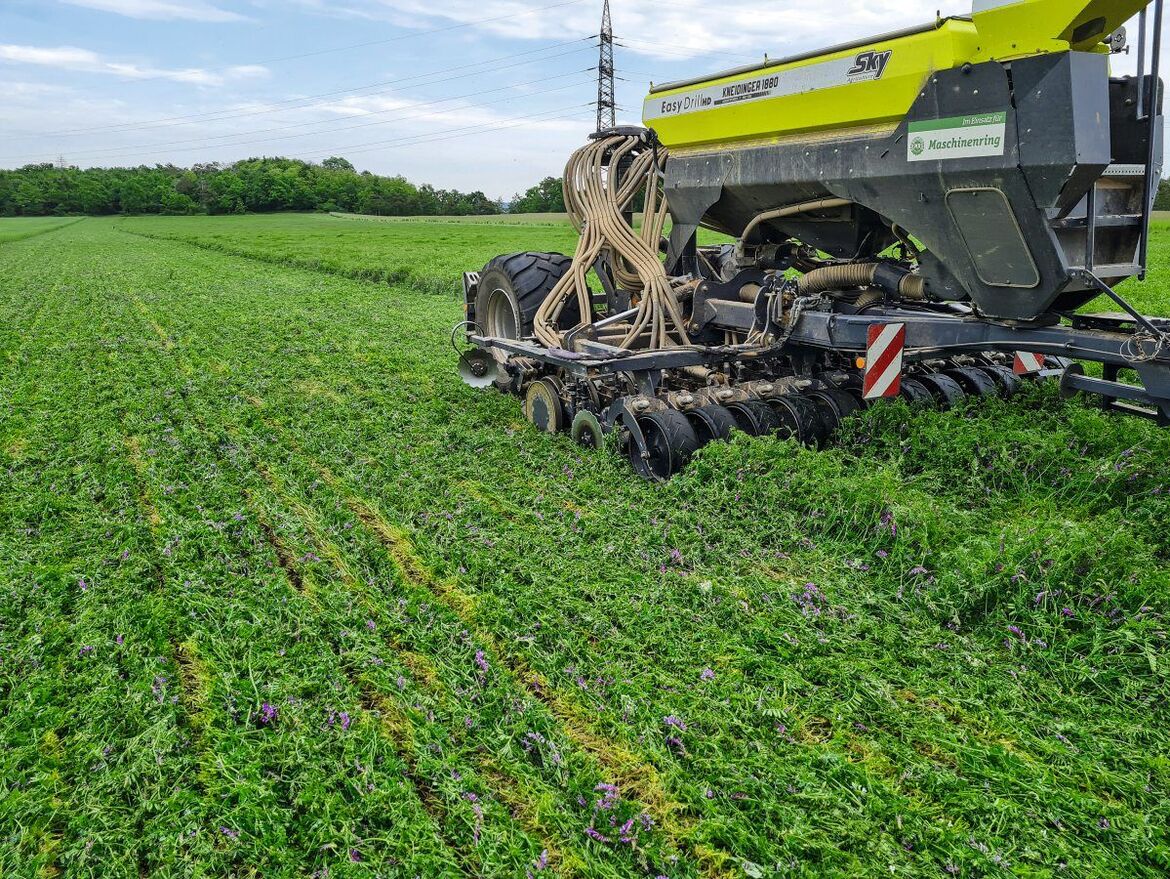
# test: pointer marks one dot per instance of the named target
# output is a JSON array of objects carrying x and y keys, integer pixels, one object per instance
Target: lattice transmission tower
[{"x": 606, "y": 96}]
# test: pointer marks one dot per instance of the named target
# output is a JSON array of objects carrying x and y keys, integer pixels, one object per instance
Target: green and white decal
[{"x": 959, "y": 137}]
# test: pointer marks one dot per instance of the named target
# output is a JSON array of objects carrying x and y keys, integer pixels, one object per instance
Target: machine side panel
[
  {"x": 961, "y": 134},
  {"x": 875, "y": 84}
]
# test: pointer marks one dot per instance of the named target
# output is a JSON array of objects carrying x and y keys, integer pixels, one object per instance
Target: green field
[
  {"x": 280, "y": 597},
  {"x": 18, "y": 229}
]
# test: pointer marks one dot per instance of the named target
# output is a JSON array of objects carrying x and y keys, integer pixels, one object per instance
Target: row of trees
[{"x": 255, "y": 185}]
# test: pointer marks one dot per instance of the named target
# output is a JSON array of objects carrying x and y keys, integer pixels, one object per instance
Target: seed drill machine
[{"x": 924, "y": 215}]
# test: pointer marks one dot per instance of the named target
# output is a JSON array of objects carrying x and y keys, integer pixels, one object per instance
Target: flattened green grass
[
  {"x": 937, "y": 649},
  {"x": 428, "y": 254},
  {"x": 19, "y": 228}
]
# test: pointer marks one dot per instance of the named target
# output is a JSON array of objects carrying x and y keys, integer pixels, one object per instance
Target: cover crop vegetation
[{"x": 280, "y": 596}]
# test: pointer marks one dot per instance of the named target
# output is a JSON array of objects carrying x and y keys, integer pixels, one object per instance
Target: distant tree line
[
  {"x": 1162, "y": 202},
  {"x": 546, "y": 197},
  {"x": 251, "y": 186}
]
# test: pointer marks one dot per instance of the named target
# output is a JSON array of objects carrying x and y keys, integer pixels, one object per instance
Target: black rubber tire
[
  {"x": 1008, "y": 381},
  {"x": 526, "y": 279},
  {"x": 712, "y": 423},
  {"x": 756, "y": 418},
  {"x": 671, "y": 441},
  {"x": 915, "y": 392},
  {"x": 802, "y": 420},
  {"x": 835, "y": 405},
  {"x": 946, "y": 391},
  {"x": 975, "y": 382}
]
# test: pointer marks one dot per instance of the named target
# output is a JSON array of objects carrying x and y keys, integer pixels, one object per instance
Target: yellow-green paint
[
  {"x": 831, "y": 101},
  {"x": 1036, "y": 27}
]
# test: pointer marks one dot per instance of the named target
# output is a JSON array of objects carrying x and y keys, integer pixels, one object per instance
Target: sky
[{"x": 487, "y": 95}]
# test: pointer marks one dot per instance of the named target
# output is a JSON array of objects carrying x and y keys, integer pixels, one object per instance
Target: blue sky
[{"x": 474, "y": 94}]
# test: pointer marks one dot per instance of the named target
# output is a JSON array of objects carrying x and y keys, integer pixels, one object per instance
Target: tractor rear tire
[{"x": 513, "y": 287}]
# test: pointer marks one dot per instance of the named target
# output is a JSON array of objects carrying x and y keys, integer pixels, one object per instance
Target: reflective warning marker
[
  {"x": 1028, "y": 364},
  {"x": 883, "y": 375}
]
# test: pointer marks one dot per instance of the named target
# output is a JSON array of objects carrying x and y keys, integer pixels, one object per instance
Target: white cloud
[
  {"x": 71, "y": 58},
  {"x": 161, "y": 10},
  {"x": 675, "y": 31}
]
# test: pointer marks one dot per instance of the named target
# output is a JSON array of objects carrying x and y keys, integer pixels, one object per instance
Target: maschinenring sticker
[{"x": 959, "y": 137}]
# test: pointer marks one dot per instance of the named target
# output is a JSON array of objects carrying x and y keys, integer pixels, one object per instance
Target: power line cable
[
  {"x": 280, "y": 106},
  {"x": 204, "y": 143},
  {"x": 414, "y": 35},
  {"x": 683, "y": 50},
  {"x": 450, "y": 133}
]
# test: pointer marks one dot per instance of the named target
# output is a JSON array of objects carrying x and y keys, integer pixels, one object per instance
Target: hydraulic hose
[
  {"x": 822, "y": 204},
  {"x": 874, "y": 274},
  {"x": 602, "y": 181}
]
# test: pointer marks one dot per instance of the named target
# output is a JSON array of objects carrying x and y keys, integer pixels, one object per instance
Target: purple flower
[
  {"x": 542, "y": 861},
  {"x": 1018, "y": 632},
  {"x": 918, "y": 571},
  {"x": 626, "y": 833},
  {"x": 229, "y": 833},
  {"x": 345, "y": 720},
  {"x": 677, "y": 723},
  {"x": 83, "y": 585},
  {"x": 1068, "y": 612},
  {"x": 478, "y": 810},
  {"x": 118, "y": 639},
  {"x": 355, "y": 856},
  {"x": 594, "y": 835},
  {"x": 882, "y": 554},
  {"x": 268, "y": 714},
  {"x": 371, "y": 625},
  {"x": 676, "y": 556},
  {"x": 481, "y": 661},
  {"x": 707, "y": 675},
  {"x": 85, "y": 651},
  {"x": 812, "y": 601}
]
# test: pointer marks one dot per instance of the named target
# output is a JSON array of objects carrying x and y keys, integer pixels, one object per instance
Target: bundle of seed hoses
[{"x": 602, "y": 183}]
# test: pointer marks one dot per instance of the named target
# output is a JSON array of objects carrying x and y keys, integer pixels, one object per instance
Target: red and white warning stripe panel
[
  {"x": 884, "y": 359},
  {"x": 1028, "y": 364}
]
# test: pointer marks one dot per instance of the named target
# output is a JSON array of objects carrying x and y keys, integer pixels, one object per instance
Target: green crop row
[{"x": 403, "y": 633}]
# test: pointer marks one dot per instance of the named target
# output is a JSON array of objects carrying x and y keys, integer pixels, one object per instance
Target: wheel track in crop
[
  {"x": 395, "y": 722},
  {"x": 194, "y": 673},
  {"x": 398, "y": 277},
  {"x": 630, "y": 772},
  {"x": 58, "y": 830},
  {"x": 41, "y": 232}
]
